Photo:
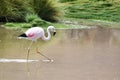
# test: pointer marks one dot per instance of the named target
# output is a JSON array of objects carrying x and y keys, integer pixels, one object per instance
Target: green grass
[
  {"x": 16, "y": 10},
  {"x": 78, "y": 14},
  {"x": 47, "y": 9},
  {"x": 66, "y": 1},
  {"x": 69, "y": 23},
  {"x": 31, "y": 17},
  {"x": 94, "y": 9},
  {"x": 13, "y": 10},
  {"x": 27, "y": 25}
]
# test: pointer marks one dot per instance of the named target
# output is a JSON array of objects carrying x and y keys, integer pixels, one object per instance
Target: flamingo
[{"x": 34, "y": 34}]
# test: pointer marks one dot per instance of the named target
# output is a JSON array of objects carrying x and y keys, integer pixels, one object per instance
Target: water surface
[{"x": 78, "y": 54}]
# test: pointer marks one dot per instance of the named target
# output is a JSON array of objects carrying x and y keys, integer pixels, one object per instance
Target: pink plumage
[{"x": 35, "y": 33}]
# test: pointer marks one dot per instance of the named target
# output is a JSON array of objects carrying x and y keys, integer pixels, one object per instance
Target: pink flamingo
[{"x": 34, "y": 34}]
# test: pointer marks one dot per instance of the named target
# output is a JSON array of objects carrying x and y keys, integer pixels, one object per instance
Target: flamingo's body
[{"x": 35, "y": 33}]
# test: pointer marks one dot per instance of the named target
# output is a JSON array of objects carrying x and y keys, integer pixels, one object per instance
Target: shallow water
[{"x": 78, "y": 54}]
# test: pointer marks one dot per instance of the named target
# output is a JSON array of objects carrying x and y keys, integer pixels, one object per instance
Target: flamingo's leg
[
  {"x": 28, "y": 51},
  {"x": 43, "y": 55}
]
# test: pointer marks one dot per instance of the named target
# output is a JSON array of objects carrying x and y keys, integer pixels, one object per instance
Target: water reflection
[
  {"x": 95, "y": 36},
  {"x": 86, "y": 54}
]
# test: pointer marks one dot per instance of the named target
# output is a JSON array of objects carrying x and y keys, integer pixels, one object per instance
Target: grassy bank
[
  {"x": 69, "y": 23},
  {"x": 16, "y": 10},
  {"x": 94, "y": 9},
  {"x": 77, "y": 14}
]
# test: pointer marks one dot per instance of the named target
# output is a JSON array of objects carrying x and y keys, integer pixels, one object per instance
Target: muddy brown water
[{"x": 78, "y": 54}]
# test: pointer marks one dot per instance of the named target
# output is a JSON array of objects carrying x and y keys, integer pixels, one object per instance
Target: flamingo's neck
[{"x": 48, "y": 36}]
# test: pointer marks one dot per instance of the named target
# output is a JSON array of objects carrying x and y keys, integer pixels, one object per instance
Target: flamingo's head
[{"x": 52, "y": 29}]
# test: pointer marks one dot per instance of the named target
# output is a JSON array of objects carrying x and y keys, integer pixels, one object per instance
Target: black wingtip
[{"x": 22, "y": 35}]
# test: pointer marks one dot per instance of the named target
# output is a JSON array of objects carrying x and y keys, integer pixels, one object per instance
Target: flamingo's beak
[{"x": 54, "y": 33}]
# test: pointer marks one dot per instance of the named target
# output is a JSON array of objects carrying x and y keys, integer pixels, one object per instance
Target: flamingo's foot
[
  {"x": 38, "y": 52},
  {"x": 48, "y": 60}
]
